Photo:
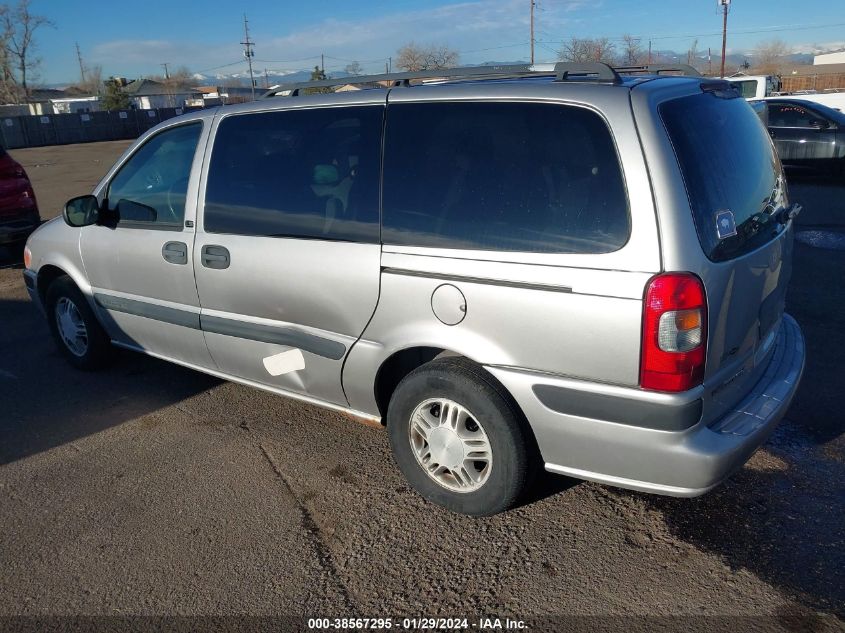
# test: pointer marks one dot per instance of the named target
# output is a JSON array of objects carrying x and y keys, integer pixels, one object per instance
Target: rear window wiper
[{"x": 790, "y": 213}]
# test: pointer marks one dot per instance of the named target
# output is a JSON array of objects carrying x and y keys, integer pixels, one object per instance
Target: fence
[
  {"x": 827, "y": 81},
  {"x": 61, "y": 129}
]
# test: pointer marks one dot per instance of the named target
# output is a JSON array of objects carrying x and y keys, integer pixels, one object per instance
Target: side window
[
  {"x": 297, "y": 173},
  {"x": 502, "y": 176},
  {"x": 151, "y": 188},
  {"x": 747, "y": 89},
  {"x": 787, "y": 115}
]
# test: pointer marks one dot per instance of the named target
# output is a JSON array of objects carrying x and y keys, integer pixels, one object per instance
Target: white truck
[{"x": 762, "y": 86}]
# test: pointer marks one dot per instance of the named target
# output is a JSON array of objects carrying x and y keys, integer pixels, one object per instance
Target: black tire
[
  {"x": 512, "y": 446},
  {"x": 99, "y": 350}
]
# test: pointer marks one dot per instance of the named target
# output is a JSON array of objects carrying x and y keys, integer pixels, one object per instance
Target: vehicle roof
[{"x": 540, "y": 86}]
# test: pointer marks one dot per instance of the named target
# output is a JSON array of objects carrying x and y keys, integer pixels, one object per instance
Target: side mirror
[
  {"x": 819, "y": 124},
  {"x": 81, "y": 211}
]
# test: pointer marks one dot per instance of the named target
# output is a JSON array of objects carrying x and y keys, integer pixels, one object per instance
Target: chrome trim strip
[{"x": 475, "y": 280}]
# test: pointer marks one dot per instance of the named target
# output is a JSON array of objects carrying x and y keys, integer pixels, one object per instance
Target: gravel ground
[{"x": 152, "y": 489}]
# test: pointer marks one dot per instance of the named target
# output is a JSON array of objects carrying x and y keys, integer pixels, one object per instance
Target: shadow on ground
[
  {"x": 782, "y": 517},
  {"x": 45, "y": 403}
]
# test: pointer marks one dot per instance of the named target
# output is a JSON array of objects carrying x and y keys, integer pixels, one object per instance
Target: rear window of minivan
[
  {"x": 528, "y": 177},
  {"x": 732, "y": 174}
]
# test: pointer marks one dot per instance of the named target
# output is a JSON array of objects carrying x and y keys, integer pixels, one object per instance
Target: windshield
[{"x": 732, "y": 175}]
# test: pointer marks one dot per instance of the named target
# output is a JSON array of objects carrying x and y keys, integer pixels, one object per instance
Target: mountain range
[{"x": 274, "y": 77}]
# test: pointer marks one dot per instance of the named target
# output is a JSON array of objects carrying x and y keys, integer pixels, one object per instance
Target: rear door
[
  {"x": 287, "y": 249},
  {"x": 800, "y": 134},
  {"x": 736, "y": 191}
]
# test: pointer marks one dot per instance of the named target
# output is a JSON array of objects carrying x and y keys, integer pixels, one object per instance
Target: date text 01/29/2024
[{"x": 416, "y": 624}]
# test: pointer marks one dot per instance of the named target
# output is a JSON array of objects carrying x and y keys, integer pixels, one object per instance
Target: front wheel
[
  {"x": 459, "y": 438},
  {"x": 78, "y": 334}
]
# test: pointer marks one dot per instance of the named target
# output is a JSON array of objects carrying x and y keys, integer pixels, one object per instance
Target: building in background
[{"x": 829, "y": 58}]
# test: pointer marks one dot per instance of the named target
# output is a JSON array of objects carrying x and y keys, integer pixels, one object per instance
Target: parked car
[
  {"x": 18, "y": 209},
  {"x": 573, "y": 270},
  {"x": 807, "y": 134}
]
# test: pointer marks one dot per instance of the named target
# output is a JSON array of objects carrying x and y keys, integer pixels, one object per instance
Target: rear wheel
[
  {"x": 458, "y": 438},
  {"x": 78, "y": 334}
]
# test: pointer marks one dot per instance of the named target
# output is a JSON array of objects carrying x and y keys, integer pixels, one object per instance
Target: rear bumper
[
  {"x": 683, "y": 463},
  {"x": 17, "y": 230}
]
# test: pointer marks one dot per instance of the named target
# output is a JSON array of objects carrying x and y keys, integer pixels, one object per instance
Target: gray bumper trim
[
  {"x": 650, "y": 415},
  {"x": 680, "y": 463}
]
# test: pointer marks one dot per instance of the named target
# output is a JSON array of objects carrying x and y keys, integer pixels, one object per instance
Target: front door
[
  {"x": 141, "y": 267},
  {"x": 287, "y": 252},
  {"x": 801, "y": 135}
]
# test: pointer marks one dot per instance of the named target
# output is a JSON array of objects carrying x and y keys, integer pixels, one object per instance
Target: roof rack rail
[
  {"x": 657, "y": 69},
  {"x": 404, "y": 79},
  {"x": 586, "y": 71}
]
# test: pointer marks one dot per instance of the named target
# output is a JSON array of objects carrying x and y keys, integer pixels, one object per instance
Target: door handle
[
  {"x": 213, "y": 256},
  {"x": 175, "y": 252}
]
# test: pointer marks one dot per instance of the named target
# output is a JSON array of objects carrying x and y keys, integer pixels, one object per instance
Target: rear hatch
[{"x": 737, "y": 194}]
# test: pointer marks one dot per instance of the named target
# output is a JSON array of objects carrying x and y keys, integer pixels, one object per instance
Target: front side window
[
  {"x": 788, "y": 115},
  {"x": 747, "y": 89},
  {"x": 151, "y": 188},
  {"x": 297, "y": 173},
  {"x": 526, "y": 177}
]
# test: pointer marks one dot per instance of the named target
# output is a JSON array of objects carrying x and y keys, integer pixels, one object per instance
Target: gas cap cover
[{"x": 449, "y": 304}]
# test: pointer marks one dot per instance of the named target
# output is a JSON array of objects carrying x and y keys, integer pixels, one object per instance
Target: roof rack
[
  {"x": 657, "y": 69},
  {"x": 596, "y": 72},
  {"x": 590, "y": 71},
  {"x": 404, "y": 79}
]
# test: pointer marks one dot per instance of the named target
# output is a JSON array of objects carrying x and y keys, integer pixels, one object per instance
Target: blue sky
[{"x": 131, "y": 39}]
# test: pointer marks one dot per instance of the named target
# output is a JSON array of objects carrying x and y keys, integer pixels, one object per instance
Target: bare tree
[
  {"x": 9, "y": 89},
  {"x": 20, "y": 26},
  {"x": 354, "y": 69},
  {"x": 769, "y": 57},
  {"x": 632, "y": 52},
  {"x": 588, "y": 50},
  {"x": 692, "y": 53},
  {"x": 413, "y": 57}
]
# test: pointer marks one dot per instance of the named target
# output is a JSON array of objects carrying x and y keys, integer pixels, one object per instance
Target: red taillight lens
[{"x": 674, "y": 333}]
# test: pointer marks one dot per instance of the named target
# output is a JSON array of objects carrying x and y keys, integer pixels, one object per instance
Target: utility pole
[
  {"x": 323, "y": 64},
  {"x": 389, "y": 65},
  {"x": 249, "y": 54},
  {"x": 709, "y": 62},
  {"x": 533, "y": 4},
  {"x": 725, "y": 4},
  {"x": 81, "y": 65},
  {"x": 266, "y": 79},
  {"x": 166, "y": 72},
  {"x": 649, "y": 51}
]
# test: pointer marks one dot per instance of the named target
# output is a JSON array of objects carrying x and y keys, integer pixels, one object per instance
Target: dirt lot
[{"x": 151, "y": 489}]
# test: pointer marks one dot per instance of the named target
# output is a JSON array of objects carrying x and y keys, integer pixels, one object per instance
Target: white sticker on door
[{"x": 284, "y": 363}]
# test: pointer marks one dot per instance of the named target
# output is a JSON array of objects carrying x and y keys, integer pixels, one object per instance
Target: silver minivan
[{"x": 581, "y": 269}]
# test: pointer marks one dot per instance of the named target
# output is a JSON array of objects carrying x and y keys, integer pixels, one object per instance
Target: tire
[
  {"x": 478, "y": 402},
  {"x": 63, "y": 297}
]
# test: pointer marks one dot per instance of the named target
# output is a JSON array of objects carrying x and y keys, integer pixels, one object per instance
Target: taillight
[{"x": 674, "y": 333}]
